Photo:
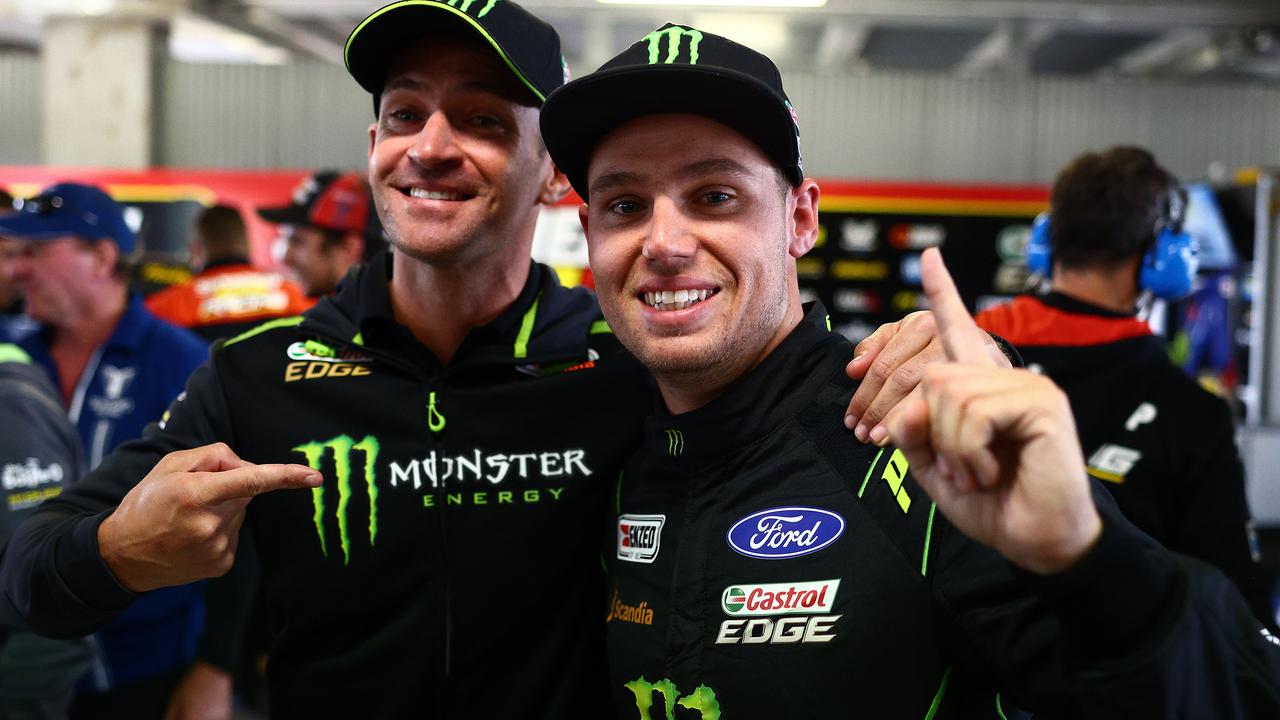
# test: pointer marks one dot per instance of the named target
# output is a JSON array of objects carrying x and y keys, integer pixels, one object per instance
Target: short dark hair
[
  {"x": 222, "y": 231},
  {"x": 1107, "y": 207},
  {"x": 6, "y": 201}
]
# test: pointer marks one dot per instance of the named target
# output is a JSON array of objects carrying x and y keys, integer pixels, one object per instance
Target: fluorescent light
[
  {"x": 763, "y": 33},
  {"x": 195, "y": 39},
  {"x": 723, "y": 3}
]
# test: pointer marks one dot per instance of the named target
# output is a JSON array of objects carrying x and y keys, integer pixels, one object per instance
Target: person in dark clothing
[
  {"x": 1162, "y": 445},
  {"x": 764, "y": 564},
  {"x": 39, "y": 458},
  {"x": 228, "y": 295}
]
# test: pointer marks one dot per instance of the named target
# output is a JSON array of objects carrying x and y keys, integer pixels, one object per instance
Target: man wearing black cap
[
  {"x": 764, "y": 564},
  {"x": 117, "y": 368},
  {"x": 467, "y": 413},
  {"x": 329, "y": 226}
]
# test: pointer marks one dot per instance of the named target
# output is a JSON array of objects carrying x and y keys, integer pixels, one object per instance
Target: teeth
[
  {"x": 433, "y": 194},
  {"x": 675, "y": 299}
]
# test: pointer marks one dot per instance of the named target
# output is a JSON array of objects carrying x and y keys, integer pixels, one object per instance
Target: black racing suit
[
  {"x": 1160, "y": 443},
  {"x": 766, "y": 565},
  {"x": 447, "y": 567}
]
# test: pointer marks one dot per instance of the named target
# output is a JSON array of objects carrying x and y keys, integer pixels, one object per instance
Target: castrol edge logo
[
  {"x": 785, "y": 532},
  {"x": 818, "y": 596}
]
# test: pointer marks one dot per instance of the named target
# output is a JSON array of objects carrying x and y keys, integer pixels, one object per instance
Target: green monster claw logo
[
  {"x": 675, "y": 35},
  {"x": 466, "y": 5},
  {"x": 675, "y": 443},
  {"x": 702, "y": 699},
  {"x": 341, "y": 447}
]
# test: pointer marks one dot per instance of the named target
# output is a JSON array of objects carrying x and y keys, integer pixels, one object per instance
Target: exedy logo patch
[{"x": 639, "y": 537}]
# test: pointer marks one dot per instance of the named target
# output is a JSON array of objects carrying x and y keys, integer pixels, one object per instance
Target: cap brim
[
  {"x": 35, "y": 226},
  {"x": 288, "y": 215},
  {"x": 577, "y": 116},
  {"x": 374, "y": 44}
]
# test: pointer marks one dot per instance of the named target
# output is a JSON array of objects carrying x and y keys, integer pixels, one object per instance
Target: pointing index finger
[
  {"x": 961, "y": 339},
  {"x": 249, "y": 481}
]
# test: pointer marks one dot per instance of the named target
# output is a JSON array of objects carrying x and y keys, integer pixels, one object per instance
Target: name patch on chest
[{"x": 639, "y": 537}]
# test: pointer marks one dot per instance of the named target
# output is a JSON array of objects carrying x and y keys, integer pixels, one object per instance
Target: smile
[
  {"x": 664, "y": 300},
  {"x": 424, "y": 194}
]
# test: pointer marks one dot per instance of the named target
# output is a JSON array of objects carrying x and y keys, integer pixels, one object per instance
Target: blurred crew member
[
  {"x": 329, "y": 227},
  {"x": 1160, "y": 443},
  {"x": 116, "y": 367},
  {"x": 228, "y": 295}
]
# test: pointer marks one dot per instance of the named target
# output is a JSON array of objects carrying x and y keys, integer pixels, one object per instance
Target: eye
[
  {"x": 716, "y": 197},
  {"x": 485, "y": 121},
  {"x": 624, "y": 206}
]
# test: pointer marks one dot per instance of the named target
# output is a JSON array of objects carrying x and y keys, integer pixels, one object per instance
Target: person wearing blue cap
[{"x": 116, "y": 367}]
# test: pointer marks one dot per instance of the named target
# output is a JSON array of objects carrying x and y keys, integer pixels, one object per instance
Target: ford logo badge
[{"x": 785, "y": 532}]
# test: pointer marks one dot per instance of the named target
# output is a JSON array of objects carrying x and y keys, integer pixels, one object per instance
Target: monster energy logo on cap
[
  {"x": 675, "y": 34},
  {"x": 341, "y": 448}
]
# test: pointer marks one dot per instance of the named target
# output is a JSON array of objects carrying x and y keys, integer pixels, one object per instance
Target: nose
[
  {"x": 436, "y": 143},
  {"x": 669, "y": 245}
]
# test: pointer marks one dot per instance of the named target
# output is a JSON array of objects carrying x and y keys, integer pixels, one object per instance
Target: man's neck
[
  {"x": 441, "y": 303},
  {"x": 1114, "y": 289},
  {"x": 93, "y": 325},
  {"x": 684, "y": 392}
]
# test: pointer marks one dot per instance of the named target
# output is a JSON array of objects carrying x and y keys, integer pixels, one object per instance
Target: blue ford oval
[{"x": 785, "y": 532}]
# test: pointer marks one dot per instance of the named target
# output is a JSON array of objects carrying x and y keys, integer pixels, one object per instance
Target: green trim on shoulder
[
  {"x": 928, "y": 538},
  {"x": 600, "y": 327},
  {"x": 526, "y": 329},
  {"x": 1000, "y": 708},
  {"x": 269, "y": 325},
  {"x": 358, "y": 339},
  {"x": 13, "y": 354},
  {"x": 937, "y": 698},
  {"x": 867, "y": 477}
]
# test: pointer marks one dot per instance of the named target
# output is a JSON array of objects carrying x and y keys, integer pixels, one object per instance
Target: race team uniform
[
  {"x": 227, "y": 298},
  {"x": 39, "y": 458},
  {"x": 128, "y": 383},
  {"x": 766, "y": 565},
  {"x": 1162, "y": 445},
  {"x": 449, "y": 566}
]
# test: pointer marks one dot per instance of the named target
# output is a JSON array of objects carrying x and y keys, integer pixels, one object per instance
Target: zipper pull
[{"x": 435, "y": 420}]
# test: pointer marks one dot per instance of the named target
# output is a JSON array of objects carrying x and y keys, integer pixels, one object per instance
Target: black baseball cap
[
  {"x": 529, "y": 46},
  {"x": 674, "y": 69}
]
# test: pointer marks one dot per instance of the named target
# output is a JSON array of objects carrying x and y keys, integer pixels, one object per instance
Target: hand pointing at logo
[
  {"x": 996, "y": 448},
  {"x": 182, "y": 522}
]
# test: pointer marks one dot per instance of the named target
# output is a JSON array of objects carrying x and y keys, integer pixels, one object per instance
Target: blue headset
[{"x": 1168, "y": 269}]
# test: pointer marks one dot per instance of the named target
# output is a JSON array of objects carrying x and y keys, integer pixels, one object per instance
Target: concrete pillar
[{"x": 101, "y": 79}]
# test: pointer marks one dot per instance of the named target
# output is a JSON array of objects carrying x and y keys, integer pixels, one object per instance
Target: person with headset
[{"x": 1162, "y": 445}]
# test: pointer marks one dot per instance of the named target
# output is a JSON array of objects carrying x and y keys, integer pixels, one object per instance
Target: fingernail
[
  {"x": 850, "y": 421},
  {"x": 314, "y": 480},
  {"x": 879, "y": 435},
  {"x": 860, "y": 432},
  {"x": 858, "y": 357}
]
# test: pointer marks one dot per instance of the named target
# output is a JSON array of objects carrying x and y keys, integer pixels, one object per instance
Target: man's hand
[
  {"x": 995, "y": 448},
  {"x": 889, "y": 362},
  {"x": 203, "y": 694},
  {"x": 182, "y": 522}
]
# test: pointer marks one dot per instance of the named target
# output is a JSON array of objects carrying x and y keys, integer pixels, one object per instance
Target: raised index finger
[
  {"x": 961, "y": 338},
  {"x": 250, "y": 481}
]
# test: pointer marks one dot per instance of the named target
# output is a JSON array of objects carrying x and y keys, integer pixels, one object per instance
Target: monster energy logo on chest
[
  {"x": 341, "y": 447},
  {"x": 675, "y": 36}
]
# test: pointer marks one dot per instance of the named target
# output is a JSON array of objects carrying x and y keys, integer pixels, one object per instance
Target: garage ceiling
[{"x": 1231, "y": 39}]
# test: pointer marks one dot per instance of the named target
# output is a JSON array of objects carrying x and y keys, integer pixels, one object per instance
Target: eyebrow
[{"x": 700, "y": 168}]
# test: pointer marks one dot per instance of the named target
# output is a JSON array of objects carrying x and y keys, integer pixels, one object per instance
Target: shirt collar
[{"x": 759, "y": 402}]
